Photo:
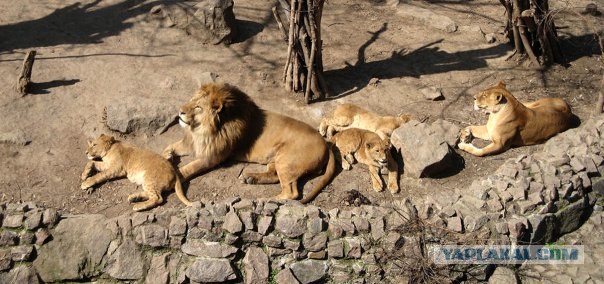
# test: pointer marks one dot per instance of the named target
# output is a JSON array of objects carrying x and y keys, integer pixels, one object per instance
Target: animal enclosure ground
[{"x": 90, "y": 53}]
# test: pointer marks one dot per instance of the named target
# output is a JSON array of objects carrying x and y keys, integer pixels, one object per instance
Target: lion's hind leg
[
  {"x": 268, "y": 177},
  {"x": 146, "y": 199}
]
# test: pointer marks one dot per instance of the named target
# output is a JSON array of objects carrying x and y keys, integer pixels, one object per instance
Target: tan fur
[
  {"x": 367, "y": 148},
  {"x": 143, "y": 167},
  {"x": 512, "y": 123},
  {"x": 347, "y": 116},
  {"x": 221, "y": 122}
]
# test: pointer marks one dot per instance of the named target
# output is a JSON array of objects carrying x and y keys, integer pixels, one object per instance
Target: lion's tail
[
  {"x": 330, "y": 170},
  {"x": 180, "y": 193}
]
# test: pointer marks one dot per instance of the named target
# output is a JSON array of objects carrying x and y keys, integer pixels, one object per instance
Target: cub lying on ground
[
  {"x": 347, "y": 116},
  {"x": 223, "y": 123},
  {"x": 512, "y": 123},
  {"x": 368, "y": 148},
  {"x": 143, "y": 167}
]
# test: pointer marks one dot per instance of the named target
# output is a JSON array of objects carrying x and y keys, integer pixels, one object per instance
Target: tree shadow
[
  {"x": 73, "y": 24},
  {"x": 42, "y": 88},
  {"x": 427, "y": 59},
  {"x": 246, "y": 30},
  {"x": 576, "y": 47}
]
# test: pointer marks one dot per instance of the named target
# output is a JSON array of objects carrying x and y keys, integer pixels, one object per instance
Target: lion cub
[
  {"x": 143, "y": 167},
  {"x": 367, "y": 148},
  {"x": 347, "y": 116}
]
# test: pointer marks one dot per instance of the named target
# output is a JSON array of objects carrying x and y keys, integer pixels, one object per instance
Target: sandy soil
[{"x": 93, "y": 52}]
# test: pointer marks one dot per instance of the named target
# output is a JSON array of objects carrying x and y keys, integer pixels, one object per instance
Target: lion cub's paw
[
  {"x": 168, "y": 154},
  {"x": 465, "y": 136},
  {"x": 464, "y": 146},
  {"x": 248, "y": 179},
  {"x": 377, "y": 187},
  {"x": 393, "y": 187},
  {"x": 84, "y": 175},
  {"x": 86, "y": 184}
]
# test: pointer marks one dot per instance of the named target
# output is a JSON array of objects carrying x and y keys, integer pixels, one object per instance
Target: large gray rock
[
  {"x": 285, "y": 276},
  {"x": 309, "y": 271},
  {"x": 151, "y": 235},
  {"x": 211, "y": 270},
  {"x": 503, "y": 275},
  {"x": 126, "y": 262},
  {"x": 135, "y": 114},
  {"x": 84, "y": 239},
  {"x": 209, "y": 21},
  {"x": 202, "y": 248},
  {"x": 545, "y": 228},
  {"x": 255, "y": 266},
  {"x": 573, "y": 216},
  {"x": 426, "y": 17},
  {"x": 425, "y": 151}
]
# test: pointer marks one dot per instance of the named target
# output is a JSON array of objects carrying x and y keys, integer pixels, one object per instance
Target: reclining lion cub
[
  {"x": 143, "y": 167},
  {"x": 367, "y": 148},
  {"x": 512, "y": 123},
  {"x": 221, "y": 122},
  {"x": 347, "y": 116}
]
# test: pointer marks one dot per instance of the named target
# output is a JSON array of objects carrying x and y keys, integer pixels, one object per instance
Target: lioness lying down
[
  {"x": 512, "y": 123},
  {"x": 221, "y": 122},
  {"x": 367, "y": 148},
  {"x": 143, "y": 167},
  {"x": 347, "y": 116}
]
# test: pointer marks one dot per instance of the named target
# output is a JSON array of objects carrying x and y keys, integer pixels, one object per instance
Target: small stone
[
  {"x": 286, "y": 276},
  {"x": 22, "y": 253},
  {"x": 490, "y": 37},
  {"x": 314, "y": 242},
  {"x": 317, "y": 254},
  {"x": 506, "y": 196},
  {"x": 495, "y": 205},
  {"x": 13, "y": 221},
  {"x": 290, "y": 226},
  {"x": 455, "y": 224},
  {"x": 432, "y": 93},
  {"x": 202, "y": 248},
  {"x": 315, "y": 225},
  {"x": 33, "y": 219},
  {"x": 142, "y": 218},
  {"x": 8, "y": 238},
  {"x": 211, "y": 270},
  {"x": 232, "y": 223},
  {"x": 251, "y": 236},
  {"x": 126, "y": 263},
  {"x": 27, "y": 238},
  {"x": 6, "y": 261},
  {"x": 502, "y": 228},
  {"x": 272, "y": 241},
  {"x": 335, "y": 249},
  {"x": 292, "y": 244},
  {"x": 264, "y": 224},
  {"x": 353, "y": 248},
  {"x": 309, "y": 271},
  {"x": 151, "y": 235},
  {"x": 247, "y": 218},
  {"x": 178, "y": 226},
  {"x": 255, "y": 266},
  {"x": 158, "y": 271},
  {"x": 576, "y": 165}
]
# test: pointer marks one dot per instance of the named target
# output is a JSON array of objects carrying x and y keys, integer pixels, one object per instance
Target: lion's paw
[{"x": 465, "y": 135}]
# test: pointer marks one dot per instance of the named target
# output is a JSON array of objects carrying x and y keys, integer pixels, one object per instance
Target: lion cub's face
[
  {"x": 378, "y": 151},
  {"x": 491, "y": 100},
  {"x": 98, "y": 148}
]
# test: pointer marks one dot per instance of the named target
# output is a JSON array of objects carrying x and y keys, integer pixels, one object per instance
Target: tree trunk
[
  {"x": 531, "y": 28},
  {"x": 303, "y": 70},
  {"x": 25, "y": 76}
]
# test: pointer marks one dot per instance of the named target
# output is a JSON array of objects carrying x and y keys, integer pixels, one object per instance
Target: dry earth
[{"x": 93, "y": 52}]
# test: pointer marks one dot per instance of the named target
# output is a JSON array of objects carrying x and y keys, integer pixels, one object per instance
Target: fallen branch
[{"x": 25, "y": 76}]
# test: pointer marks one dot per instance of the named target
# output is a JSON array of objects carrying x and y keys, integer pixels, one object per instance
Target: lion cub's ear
[
  {"x": 501, "y": 84},
  {"x": 499, "y": 98},
  {"x": 108, "y": 139},
  {"x": 368, "y": 145},
  {"x": 89, "y": 143}
]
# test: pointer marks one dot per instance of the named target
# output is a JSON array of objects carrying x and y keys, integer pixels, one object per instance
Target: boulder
[
  {"x": 85, "y": 239},
  {"x": 20, "y": 274},
  {"x": 424, "y": 149},
  {"x": 135, "y": 114}
]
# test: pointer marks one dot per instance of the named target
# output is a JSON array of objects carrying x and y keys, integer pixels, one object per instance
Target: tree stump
[
  {"x": 530, "y": 26},
  {"x": 25, "y": 76},
  {"x": 303, "y": 71}
]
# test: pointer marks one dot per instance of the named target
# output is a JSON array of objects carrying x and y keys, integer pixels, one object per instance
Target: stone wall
[{"x": 530, "y": 199}]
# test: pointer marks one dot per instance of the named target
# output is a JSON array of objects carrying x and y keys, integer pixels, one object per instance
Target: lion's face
[
  {"x": 98, "y": 148},
  {"x": 378, "y": 151},
  {"x": 198, "y": 113},
  {"x": 491, "y": 100}
]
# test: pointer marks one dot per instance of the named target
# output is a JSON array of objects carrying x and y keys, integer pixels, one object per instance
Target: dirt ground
[{"x": 93, "y": 52}]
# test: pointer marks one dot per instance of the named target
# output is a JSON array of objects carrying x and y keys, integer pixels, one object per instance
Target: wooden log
[
  {"x": 527, "y": 45},
  {"x": 600, "y": 103},
  {"x": 313, "y": 48},
  {"x": 25, "y": 76},
  {"x": 279, "y": 22},
  {"x": 290, "y": 43}
]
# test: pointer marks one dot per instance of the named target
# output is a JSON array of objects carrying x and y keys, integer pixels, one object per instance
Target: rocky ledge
[{"x": 529, "y": 199}]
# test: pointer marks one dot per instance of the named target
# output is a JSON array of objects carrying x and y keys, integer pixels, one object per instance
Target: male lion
[
  {"x": 221, "y": 122},
  {"x": 141, "y": 166},
  {"x": 369, "y": 149},
  {"x": 512, "y": 123},
  {"x": 347, "y": 116}
]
